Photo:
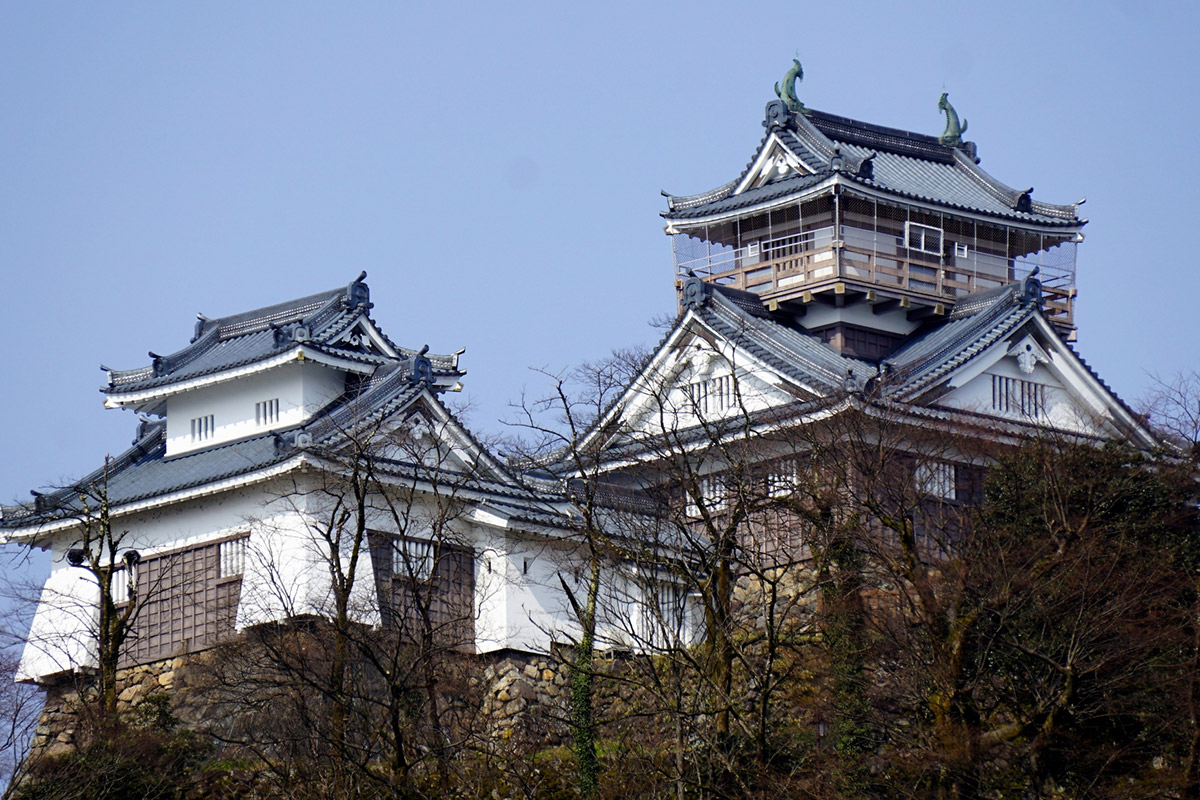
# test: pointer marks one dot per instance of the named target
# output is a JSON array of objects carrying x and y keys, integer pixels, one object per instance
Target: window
[
  {"x": 712, "y": 492},
  {"x": 781, "y": 480},
  {"x": 1017, "y": 396},
  {"x": 232, "y": 557},
  {"x": 412, "y": 558},
  {"x": 119, "y": 585},
  {"x": 923, "y": 238},
  {"x": 203, "y": 428},
  {"x": 936, "y": 479},
  {"x": 960, "y": 250},
  {"x": 266, "y": 412},
  {"x": 711, "y": 395}
]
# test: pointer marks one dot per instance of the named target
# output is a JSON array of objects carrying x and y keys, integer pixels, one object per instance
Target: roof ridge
[{"x": 262, "y": 318}]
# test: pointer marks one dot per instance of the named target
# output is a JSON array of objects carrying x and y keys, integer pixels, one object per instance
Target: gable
[
  {"x": 774, "y": 161},
  {"x": 1032, "y": 377},
  {"x": 364, "y": 337},
  {"x": 703, "y": 380}
]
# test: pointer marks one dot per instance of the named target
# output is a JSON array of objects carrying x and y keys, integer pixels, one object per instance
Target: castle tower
[{"x": 865, "y": 232}]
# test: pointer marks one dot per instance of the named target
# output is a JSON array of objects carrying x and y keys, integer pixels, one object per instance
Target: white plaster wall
[
  {"x": 62, "y": 635},
  {"x": 1064, "y": 410},
  {"x": 287, "y": 570},
  {"x": 302, "y": 387}
]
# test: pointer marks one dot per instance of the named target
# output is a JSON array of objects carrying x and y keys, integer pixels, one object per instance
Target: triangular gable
[
  {"x": 364, "y": 337},
  {"x": 1031, "y": 376},
  {"x": 696, "y": 374},
  {"x": 775, "y": 161}
]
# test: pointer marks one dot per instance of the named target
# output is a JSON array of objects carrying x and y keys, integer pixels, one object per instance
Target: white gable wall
[
  {"x": 301, "y": 387},
  {"x": 702, "y": 384},
  {"x": 1069, "y": 403}
]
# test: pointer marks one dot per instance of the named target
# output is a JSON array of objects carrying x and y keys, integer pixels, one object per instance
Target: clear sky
[{"x": 496, "y": 170}]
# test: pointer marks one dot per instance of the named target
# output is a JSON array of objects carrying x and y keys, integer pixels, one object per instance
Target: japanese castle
[{"x": 847, "y": 260}]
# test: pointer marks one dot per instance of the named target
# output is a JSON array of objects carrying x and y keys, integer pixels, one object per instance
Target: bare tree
[{"x": 363, "y": 683}]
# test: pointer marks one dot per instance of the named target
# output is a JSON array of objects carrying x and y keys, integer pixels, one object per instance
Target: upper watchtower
[{"x": 865, "y": 231}]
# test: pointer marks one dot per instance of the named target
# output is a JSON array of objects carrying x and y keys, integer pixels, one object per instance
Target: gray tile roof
[
  {"x": 145, "y": 471},
  {"x": 253, "y": 336},
  {"x": 907, "y": 165},
  {"x": 794, "y": 353},
  {"x": 752, "y": 197},
  {"x": 981, "y": 321}
]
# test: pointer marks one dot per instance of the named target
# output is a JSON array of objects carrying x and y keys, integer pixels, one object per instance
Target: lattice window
[
  {"x": 712, "y": 395},
  {"x": 1017, "y": 396},
  {"x": 936, "y": 479},
  {"x": 203, "y": 428},
  {"x": 119, "y": 585},
  {"x": 781, "y": 479},
  {"x": 413, "y": 558},
  {"x": 713, "y": 493},
  {"x": 266, "y": 412},
  {"x": 232, "y": 560}
]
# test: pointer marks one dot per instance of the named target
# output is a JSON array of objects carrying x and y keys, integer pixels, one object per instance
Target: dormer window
[
  {"x": 203, "y": 428},
  {"x": 266, "y": 412},
  {"x": 923, "y": 238}
]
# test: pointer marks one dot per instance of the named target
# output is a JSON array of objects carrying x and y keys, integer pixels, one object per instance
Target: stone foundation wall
[
  {"x": 524, "y": 694},
  {"x": 70, "y": 697}
]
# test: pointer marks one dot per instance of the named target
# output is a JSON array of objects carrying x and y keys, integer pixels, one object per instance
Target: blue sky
[{"x": 496, "y": 170}]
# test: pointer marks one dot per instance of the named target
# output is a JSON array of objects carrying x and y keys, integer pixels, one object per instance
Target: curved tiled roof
[
  {"x": 145, "y": 472},
  {"x": 252, "y": 336},
  {"x": 908, "y": 165},
  {"x": 801, "y": 357}
]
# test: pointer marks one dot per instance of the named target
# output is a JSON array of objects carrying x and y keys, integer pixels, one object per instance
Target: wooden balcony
[{"x": 799, "y": 266}]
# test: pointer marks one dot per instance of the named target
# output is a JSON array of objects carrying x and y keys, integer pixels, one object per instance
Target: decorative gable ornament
[
  {"x": 1031, "y": 290},
  {"x": 1028, "y": 354},
  {"x": 701, "y": 362},
  {"x": 421, "y": 368},
  {"x": 787, "y": 92}
]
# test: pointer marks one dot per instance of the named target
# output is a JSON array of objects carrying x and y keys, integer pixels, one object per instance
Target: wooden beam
[
  {"x": 925, "y": 312},
  {"x": 891, "y": 304}
]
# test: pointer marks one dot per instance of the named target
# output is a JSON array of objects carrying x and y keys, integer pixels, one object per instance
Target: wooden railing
[{"x": 784, "y": 268}]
